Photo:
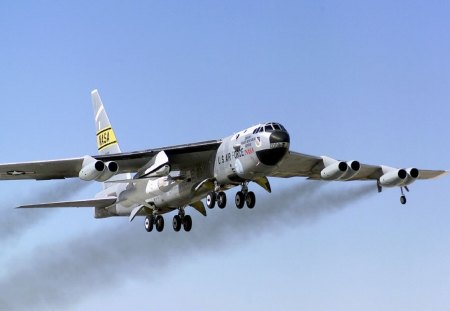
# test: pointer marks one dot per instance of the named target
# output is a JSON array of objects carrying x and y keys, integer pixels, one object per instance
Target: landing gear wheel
[
  {"x": 159, "y": 223},
  {"x": 239, "y": 199},
  {"x": 403, "y": 199},
  {"x": 250, "y": 199},
  {"x": 149, "y": 220},
  {"x": 176, "y": 223},
  {"x": 221, "y": 199},
  {"x": 211, "y": 199},
  {"x": 187, "y": 223}
]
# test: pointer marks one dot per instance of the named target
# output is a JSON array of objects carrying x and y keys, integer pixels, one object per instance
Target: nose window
[{"x": 268, "y": 128}]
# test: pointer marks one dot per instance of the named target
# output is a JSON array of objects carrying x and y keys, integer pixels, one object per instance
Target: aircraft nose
[{"x": 279, "y": 145}]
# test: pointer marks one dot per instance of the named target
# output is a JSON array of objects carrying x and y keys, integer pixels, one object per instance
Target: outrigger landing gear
[
  {"x": 245, "y": 196},
  {"x": 403, "y": 197},
  {"x": 182, "y": 219}
]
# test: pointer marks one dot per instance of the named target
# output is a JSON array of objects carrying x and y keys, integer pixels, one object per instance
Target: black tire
[
  {"x": 187, "y": 223},
  {"x": 176, "y": 223},
  {"x": 221, "y": 200},
  {"x": 239, "y": 200},
  {"x": 211, "y": 199},
  {"x": 403, "y": 199},
  {"x": 149, "y": 221},
  {"x": 159, "y": 223},
  {"x": 250, "y": 199}
]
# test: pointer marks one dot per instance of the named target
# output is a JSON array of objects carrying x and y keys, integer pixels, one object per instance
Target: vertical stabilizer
[{"x": 106, "y": 138}]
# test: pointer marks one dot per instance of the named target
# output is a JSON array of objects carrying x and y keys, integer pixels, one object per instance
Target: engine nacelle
[
  {"x": 91, "y": 169},
  {"x": 334, "y": 171},
  {"x": 399, "y": 178},
  {"x": 352, "y": 169},
  {"x": 111, "y": 169}
]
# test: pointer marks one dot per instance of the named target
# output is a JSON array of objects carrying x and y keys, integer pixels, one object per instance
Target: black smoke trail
[{"x": 57, "y": 275}]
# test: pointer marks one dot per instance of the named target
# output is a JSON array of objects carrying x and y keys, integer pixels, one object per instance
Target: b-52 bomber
[{"x": 174, "y": 178}]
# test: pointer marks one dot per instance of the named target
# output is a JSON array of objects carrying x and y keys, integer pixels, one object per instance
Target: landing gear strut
[{"x": 403, "y": 197}]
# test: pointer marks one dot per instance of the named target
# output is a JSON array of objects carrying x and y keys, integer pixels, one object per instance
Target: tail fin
[{"x": 106, "y": 138}]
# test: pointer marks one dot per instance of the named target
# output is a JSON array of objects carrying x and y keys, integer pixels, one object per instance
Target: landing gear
[
  {"x": 245, "y": 197},
  {"x": 221, "y": 199},
  {"x": 211, "y": 199},
  {"x": 159, "y": 223},
  {"x": 403, "y": 197},
  {"x": 182, "y": 220},
  {"x": 149, "y": 221},
  {"x": 187, "y": 223},
  {"x": 239, "y": 199},
  {"x": 250, "y": 199},
  {"x": 176, "y": 223}
]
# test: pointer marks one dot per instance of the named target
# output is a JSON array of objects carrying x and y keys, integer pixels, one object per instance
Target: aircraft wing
[
  {"x": 180, "y": 157},
  {"x": 304, "y": 165}
]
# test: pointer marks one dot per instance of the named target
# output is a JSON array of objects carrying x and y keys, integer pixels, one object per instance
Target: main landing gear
[
  {"x": 242, "y": 197},
  {"x": 180, "y": 220}
]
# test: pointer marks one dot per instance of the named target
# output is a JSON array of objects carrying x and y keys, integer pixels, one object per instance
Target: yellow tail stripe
[{"x": 105, "y": 138}]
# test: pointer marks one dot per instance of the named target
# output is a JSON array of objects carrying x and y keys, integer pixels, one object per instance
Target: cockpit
[{"x": 270, "y": 127}]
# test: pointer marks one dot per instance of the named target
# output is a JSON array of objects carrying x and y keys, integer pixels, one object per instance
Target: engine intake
[{"x": 111, "y": 169}]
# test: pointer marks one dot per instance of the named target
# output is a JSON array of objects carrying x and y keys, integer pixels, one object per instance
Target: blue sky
[{"x": 349, "y": 79}]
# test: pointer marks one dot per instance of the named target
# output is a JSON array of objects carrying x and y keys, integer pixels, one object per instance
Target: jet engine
[
  {"x": 93, "y": 169},
  {"x": 399, "y": 177},
  {"x": 111, "y": 169},
  {"x": 338, "y": 170}
]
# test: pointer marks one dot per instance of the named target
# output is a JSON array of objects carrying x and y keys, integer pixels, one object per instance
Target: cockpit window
[
  {"x": 272, "y": 126},
  {"x": 268, "y": 128}
]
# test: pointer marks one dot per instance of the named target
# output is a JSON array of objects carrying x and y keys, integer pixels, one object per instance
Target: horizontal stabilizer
[{"x": 103, "y": 202}]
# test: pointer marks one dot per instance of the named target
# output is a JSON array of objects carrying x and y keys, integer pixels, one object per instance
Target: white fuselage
[{"x": 241, "y": 157}]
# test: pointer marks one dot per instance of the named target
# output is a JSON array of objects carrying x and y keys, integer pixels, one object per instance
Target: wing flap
[{"x": 101, "y": 202}]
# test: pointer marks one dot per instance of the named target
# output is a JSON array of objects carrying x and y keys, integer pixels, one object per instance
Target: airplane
[{"x": 154, "y": 182}]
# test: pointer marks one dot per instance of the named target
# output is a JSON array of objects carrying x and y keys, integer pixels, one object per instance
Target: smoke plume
[
  {"x": 13, "y": 222},
  {"x": 57, "y": 275}
]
